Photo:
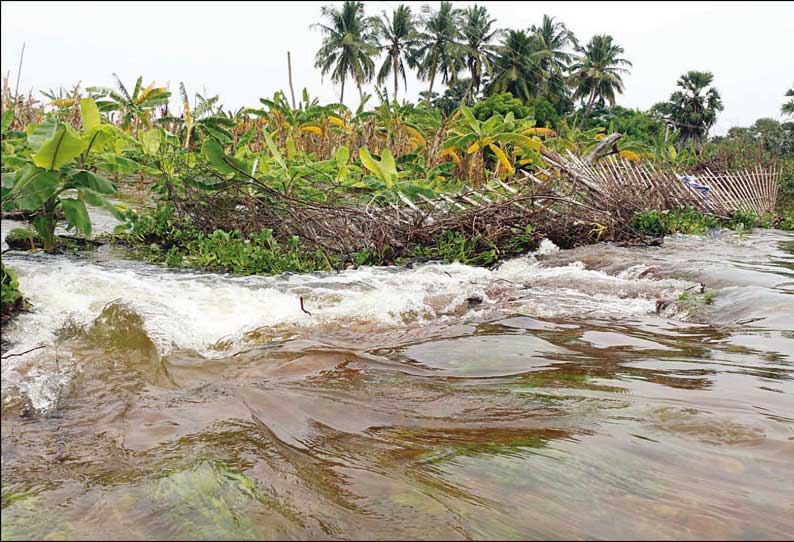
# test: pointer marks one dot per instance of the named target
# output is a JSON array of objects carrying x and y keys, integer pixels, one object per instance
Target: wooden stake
[
  {"x": 289, "y": 70},
  {"x": 19, "y": 74}
]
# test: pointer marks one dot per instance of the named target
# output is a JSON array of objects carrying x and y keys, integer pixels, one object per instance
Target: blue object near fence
[{"x": 691, "y": 181}]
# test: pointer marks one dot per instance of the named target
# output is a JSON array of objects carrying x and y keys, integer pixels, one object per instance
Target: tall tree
[
  {"x": 788, "y": 107},
  {"x": 693, "y": 109},
  {"x": 478, "y": 34},
  {"x": 597, "y": 74},
  {"x": 400, "y": 38},
  {"x": 348, "y": 47},
  {"x": 554, "y": 39},
  {"x": 440, "y": 51},
  {"x": 517, "y": 69}
]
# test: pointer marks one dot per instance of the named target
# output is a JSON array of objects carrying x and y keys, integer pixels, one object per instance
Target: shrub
[
  {"x": 787, "y": 221},
  {"x": 687, "y": 220},
  {"x": 23, "y": 239},
  {"x": 11, "y": 300},
  {"x": 649, "y": 223},
  {"x": 500, "y": 104},
  {"x": 748, "y": 219}
]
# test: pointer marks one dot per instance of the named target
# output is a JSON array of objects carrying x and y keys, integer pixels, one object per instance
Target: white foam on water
[{"x": 197, "y": 310}]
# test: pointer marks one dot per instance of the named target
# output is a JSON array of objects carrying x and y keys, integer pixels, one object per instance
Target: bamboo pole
[
  {"x": 19, "y": 75},
  {"x": 289, "y": 71}
]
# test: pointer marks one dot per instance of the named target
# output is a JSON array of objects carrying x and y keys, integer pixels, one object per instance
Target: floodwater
[{"x": 559, "y": 395}]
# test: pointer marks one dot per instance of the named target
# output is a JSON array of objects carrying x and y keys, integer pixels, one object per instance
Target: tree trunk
[
  {"x": 432, "y": 79},
  {"x": 342, "y": 95},
  {"x": 596, "y": 153},
  {"x": 395, "y": 66},
  {"x": 589, "y": 108},
  {"x": 468, "y": 94}
]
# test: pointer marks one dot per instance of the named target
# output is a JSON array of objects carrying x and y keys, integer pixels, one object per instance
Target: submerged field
[{"x": 558, "y": 395}]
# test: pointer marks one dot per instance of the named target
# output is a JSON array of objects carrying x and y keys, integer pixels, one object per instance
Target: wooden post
[
  {"x": 19, "y": 73},
  {"x": 289, "y": 70}
]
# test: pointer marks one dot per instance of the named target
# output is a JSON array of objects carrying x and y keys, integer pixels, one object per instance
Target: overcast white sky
[{"x": 238, "y": 49}]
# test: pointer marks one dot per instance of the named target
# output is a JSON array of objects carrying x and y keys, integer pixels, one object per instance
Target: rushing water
[{"x": 557, "y": 396}]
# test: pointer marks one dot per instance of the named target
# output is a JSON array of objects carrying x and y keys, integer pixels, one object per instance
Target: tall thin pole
[
  {"x": 19, "y": 73},
  {"x": 289, "y": 69}
]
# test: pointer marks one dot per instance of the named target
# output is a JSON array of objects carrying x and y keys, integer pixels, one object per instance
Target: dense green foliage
[
  {"x": 164, "y": 237},
  {"x": 500, "y": 104},
  {"x": 10, "y": 287},
  {"x": 689, "y": 221},
  {"x": 11, "y": 300}
]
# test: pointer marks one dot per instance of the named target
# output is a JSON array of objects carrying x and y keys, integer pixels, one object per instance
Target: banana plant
[
  {"x": 59, "y": 167},
  {"x": 205, "y": 117},
  {"x": 66, "y": 104},
  {"x": 299, "y": 174},
  {"x": 135, "y": 107},
  {"x": 384, "y": 170},
  {"x": 386, "y": 181},
  {"x": 498, "y": 134},
  {"x": 13, "y": 144}
]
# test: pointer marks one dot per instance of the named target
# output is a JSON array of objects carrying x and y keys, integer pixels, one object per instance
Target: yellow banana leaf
[
  {"x": 313, "y": 130},
  {"x": 545, "y": 132},
  {"x": 65, "y": 102},
  {"x": 500, "y": 154},
  {"x": 631, "y": 156},
  {"x": 452, "y": 154},
  {"x": 144, "y": 93},
  {"x": 417, "y": 135}
]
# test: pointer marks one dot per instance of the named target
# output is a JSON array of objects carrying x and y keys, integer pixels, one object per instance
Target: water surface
[{"x": 557, "y": 396}]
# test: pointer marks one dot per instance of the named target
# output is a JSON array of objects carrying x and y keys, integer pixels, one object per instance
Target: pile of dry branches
[{"x": 572, "y": 201}]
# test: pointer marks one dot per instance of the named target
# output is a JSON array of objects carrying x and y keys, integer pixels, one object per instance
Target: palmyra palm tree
[
  {"x": 348, "y": 47},
  {"x": 597, "y": 74},
  {"x": 691, "y": 109},
  {"x": 400, "y": 38}
]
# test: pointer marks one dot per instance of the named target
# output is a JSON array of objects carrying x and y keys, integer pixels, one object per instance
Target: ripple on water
[
  {"x": 695, "y": 424},
  {"x": 484, "y": 356}
]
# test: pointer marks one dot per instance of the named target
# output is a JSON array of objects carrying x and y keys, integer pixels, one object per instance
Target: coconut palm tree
[
  {"x": 348, "y": 47},
  {"x": 400, "y": 38},
  {"x": 788, "y": 107},
  {"x": 478, "y": 33},
  {"x": 517, "y": 68},
  {"x": 554, "y": 38},
  {"x": 597, "y": 74},
  {"x": 693, "y": 109},
  {"x": 439, "y": 49}
]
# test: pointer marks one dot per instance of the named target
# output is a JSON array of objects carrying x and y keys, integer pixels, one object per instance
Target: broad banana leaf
[
  {"x": 76, "y": 214},
  {"x": 60, "y": 150}
]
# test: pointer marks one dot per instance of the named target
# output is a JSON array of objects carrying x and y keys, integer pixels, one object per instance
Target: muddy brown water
[{"x": 544, "y": 399}]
